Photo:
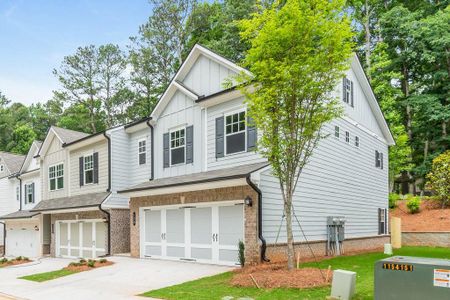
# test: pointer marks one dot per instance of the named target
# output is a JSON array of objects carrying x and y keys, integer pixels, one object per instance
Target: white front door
[
  {"x": 81, "y": 238},
  {"x": 22, "y": 240},
  {"x": 207, "y": 233}
]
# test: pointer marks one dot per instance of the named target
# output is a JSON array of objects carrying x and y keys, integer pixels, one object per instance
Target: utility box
[
  {"x": 343, "y": 285},
  {"x": 412, "y": 278}
]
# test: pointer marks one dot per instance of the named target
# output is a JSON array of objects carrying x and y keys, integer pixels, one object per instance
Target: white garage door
[
  {"x": 22, "y": 240},
  {"x": 203, "y": 233},
  {"x": 86, "y": 238}
]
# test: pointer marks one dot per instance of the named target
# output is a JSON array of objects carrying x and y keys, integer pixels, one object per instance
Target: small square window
[
  {"x": 347, "y": 137},
  {"x": 336, "y": 131},
  {"x": 357, "y": 141}
]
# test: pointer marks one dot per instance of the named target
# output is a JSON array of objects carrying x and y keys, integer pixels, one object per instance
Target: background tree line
[{"x": 403, "y": 45}]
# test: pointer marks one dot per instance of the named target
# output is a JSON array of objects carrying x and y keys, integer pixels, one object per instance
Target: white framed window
[
  {"x": 142, "y": 152},
  {"x": 18, "y": 193},
  {"x": 56, "y": 177},
  {"x": 336, "y": 131},
  {"x": 235, "y": 132},
  {"x": 178, "y": 146},
  {"x": 378, "y": 159},
  {"x": 348, "y": 91},
  {"x": 347, "y": 137},
  {"x": 357, "y": 141},
  {"x": 88, "y": 166},
  {"x": 29, "y": 193},
  {"x": 382, "y": 221}
]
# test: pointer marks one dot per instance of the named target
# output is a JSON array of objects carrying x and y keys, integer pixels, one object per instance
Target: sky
[{"x": 35, "y": 35}]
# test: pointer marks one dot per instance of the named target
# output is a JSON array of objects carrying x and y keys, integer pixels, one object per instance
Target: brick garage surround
[
  {"x": 351, "y": 245},
  {"x": 95, "y": 214},
  {"x": 120, "y": 233},
  {"x": 434, "y": 239},
  {"x": 252, "y": 247}
]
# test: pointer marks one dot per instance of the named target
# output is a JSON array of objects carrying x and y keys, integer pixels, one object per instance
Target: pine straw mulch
[
  {"x": 277, "y": 275},
  {"x": 84, "y": 267},
  {"x": 14, "y": 262}
]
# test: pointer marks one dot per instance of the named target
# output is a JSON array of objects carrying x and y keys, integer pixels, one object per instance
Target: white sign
[{"x": 441, "y": 278}]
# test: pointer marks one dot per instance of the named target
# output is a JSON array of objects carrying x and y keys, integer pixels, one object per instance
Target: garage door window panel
[{"x": 235, "y": 133}]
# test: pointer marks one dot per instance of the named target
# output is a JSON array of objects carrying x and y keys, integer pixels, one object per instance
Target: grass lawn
[
  {"x": 41, "y": 277},
  {"x": 217, "y": 287}
]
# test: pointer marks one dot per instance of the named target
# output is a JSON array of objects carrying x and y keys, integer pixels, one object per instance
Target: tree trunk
[
  {"x": 290, "y": 236},
  {"x": 367, "y": 37},
  {"x": 425, "y": 156},
  {"x": 444, "y": 129},
  {"x": 405, "y": 89}
]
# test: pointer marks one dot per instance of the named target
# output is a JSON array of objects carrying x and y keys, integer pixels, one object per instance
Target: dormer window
[{"x": 347, "y": 91}]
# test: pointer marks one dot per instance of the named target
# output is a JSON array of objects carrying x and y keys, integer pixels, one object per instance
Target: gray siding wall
[
  {"x": 55, "y": 155},
  {"x": 181, "y": 111},
  {"x": 232, "y": 160},
  {"x": 340, "y": 180}
]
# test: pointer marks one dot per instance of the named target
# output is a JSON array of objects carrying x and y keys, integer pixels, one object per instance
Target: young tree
[
  {"x": 439, "y": 177},
  {"x": 299, "y": 51}
]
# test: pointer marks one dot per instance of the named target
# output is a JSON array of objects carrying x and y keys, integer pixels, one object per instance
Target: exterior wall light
[{"x": 248, "y": 201}]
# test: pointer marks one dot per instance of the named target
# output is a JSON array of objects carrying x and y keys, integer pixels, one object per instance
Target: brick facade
[
  {"x": 120, "y": 233},
  {"x": 366, "y": 244},
  {"x": 433, "y": 239},
  {"x": 252, "y": 248}
]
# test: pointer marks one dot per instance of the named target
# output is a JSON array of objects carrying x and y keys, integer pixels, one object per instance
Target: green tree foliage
[
  {"x": 23, "y": 137},
  {"x": 291, "y": 82},
  {"x": 439, "y": 177}
]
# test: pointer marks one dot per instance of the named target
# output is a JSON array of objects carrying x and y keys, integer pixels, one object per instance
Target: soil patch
[
  {"x": 278, "y": 276},
  {"x": 85, "y": 267},
  {"x": 430, "y": 218},
  {"x": 14, "y": 262}
]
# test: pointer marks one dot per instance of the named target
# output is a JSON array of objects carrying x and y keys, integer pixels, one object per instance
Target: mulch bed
[
  {"x": 85, "y": 267},
  {"x": 14, "y": 263},
  {"x": 278, "y": 276},
  {"x": 430, "y": 218}
]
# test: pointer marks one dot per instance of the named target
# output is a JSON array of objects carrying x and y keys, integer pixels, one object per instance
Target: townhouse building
[{"x": 212, "y": 189}]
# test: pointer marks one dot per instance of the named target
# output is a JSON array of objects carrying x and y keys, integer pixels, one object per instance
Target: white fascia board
[{"x": 46, "y": 142}]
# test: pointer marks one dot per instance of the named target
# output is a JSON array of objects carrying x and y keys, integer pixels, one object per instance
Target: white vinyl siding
[{"x": 329, "y": 186}]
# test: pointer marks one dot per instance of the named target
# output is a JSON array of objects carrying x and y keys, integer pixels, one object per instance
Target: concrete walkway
[{"x": 125, "y": 279}]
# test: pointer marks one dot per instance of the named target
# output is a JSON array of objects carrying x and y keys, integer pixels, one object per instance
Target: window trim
[
  {"x": 27, "y": 186},
  {"x": 85, "y": 170},
  {"x": 382, "y": 219},
  {"x": 225, "y": 135},
  {"x": 56, "y": 177},
  {"x": 347, "y": 137},
  {"x": 145, "y": 150},
  {"x": 175, "y": 129},
  {"x": 337, "y": 132}
]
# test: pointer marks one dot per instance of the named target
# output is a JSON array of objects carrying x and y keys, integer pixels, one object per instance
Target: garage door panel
[
  {"x": 174, "y": 251},
  {"x": 153, "y": 251},
  {"x": 228, "y": 255},
  {"x": 175, "y": 225},
  {"x": 100, "y": 236},
  {"x": 87, "y": 235},
  {"x": 64, "y": 234},
  {"x": 152, "y": 226},
  {"x": 201, "y": 225},
  {"x": 201, "y": 253},
  {"x": 231, "y": 221}
]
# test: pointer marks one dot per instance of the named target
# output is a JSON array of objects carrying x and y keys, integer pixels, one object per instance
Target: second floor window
[
  {"x": 235, "y": 132},
  {"x": 356, "y": 141},
  {"x": 18, "y": 193},
  {"x": 347, "y": 91},
  {"x": 177, "y": 146},
  {"x": 142, "y": 152},
  {"x": 29, "y": 193},
  {"x": 378, "y": 159},
  {"x": 347, "y": 137},
  {"x": 56, "y": 177},
  {"x": 336, "y": 131},
  {"x": 89, "y": 169}
]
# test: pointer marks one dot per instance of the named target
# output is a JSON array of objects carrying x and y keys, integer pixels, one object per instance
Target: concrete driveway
[{"x": 125, "y": 279}]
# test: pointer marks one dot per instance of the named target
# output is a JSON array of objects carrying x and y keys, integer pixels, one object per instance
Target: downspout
[
  {"x": 107, "y": 213},
  {"x": 20, "y": 192},
  {"x": 260, "y": 235},
  {"x": 152, "y": 156}
]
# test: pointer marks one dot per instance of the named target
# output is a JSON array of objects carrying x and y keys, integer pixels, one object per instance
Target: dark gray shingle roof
[
  {"x": 20, "y": 214},
  {"x": 13, "y": 161},
  {"x": 78, "y": 201},
  {"x": 216, "y": 175},
  {"x": 67, "y": 135}
]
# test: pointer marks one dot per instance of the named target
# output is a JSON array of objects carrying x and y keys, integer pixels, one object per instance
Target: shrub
[
  {"x": 3, "y": 260},
  {"x": 439, "y": 178},
  {"x": 413, "y": 205},
  {"x": 82, "y": 261},
  {"x": 75, "y": 264},
  {"x": 102, "y": 260},
  {"x": 241, "y": 253},
  {"x": 91, "y": 263},
  {"x": 19, "y": 258},
  {"x": 393, "y": 198}
]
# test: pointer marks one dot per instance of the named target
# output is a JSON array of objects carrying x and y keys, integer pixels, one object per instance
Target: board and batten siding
[
  {"x": 180, "y": 112},
  {"x": 140, "y": 173},
  {"x": 27, "y": 179},
  {"x": 56, "y": 154},
  {"x": 340, "y": 180},
  {"x": 207, "y": 76},
  {"x": 231, "y": 160},
  {"x": 102, "y": 149}
]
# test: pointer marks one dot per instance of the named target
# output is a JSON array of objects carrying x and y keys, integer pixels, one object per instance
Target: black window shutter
[
  {"x": 344, "y": 89},
  {"x": 190, "y": 144},
  {"x": 385, "y": 221},
  {"x": 32, "y": 194},
  {"x": 166, "y": 150},
  {"x": 377, "y": 154},
  {"x": 220, "y": 137},
  {"x": 252, "y": 134},
  {"x": 351, "y": 93},
  {"x": 379, "y": 223},
  {"x": 381, "y": 160},
  {"x": 95, "y": 167},
  {"x": 81, "y": 161}
]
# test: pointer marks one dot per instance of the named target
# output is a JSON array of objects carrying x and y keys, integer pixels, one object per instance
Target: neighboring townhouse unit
[
  {"x": 211, "y": 189},
  {"x": 27, "y": 232},
  {"x": 9, "y": 188},
  {"x": 80, "y": 174}
]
